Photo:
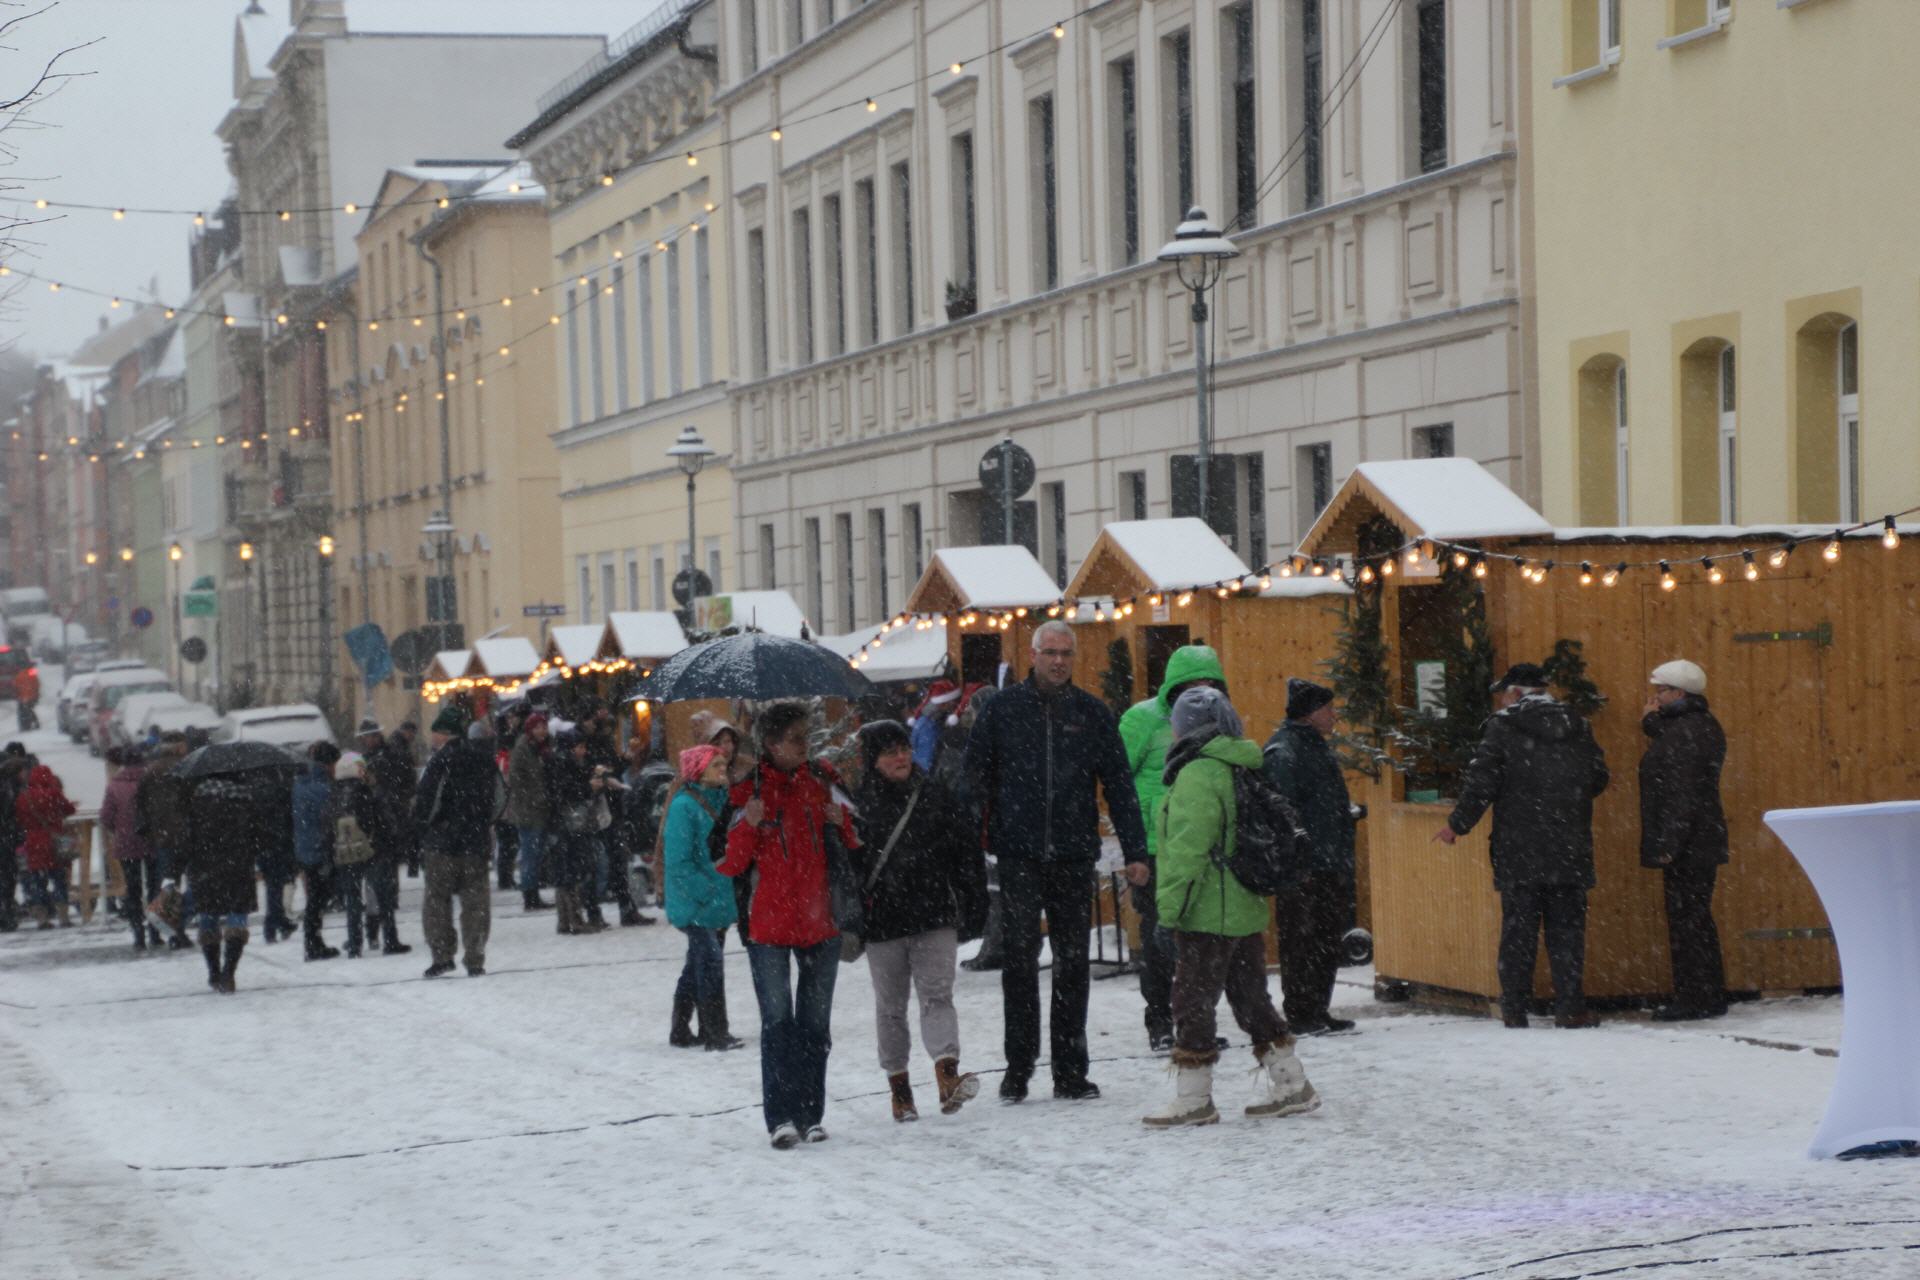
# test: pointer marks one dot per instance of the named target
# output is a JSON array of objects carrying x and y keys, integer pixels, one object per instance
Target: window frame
[
  {"x": 1726, "y": 377},
  {"x": 1847, "y": 406}
]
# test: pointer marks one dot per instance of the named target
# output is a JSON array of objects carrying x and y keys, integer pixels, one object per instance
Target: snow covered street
[{"x": 347, "y": 1118}]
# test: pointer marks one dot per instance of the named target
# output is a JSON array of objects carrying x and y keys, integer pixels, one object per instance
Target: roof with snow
[
  {"x": 505, "y": 657},
  {"x": 449, "y": 664},
  {"x": 1447, "y": 499},
  {"x": 1302, "y": 587},
  {"x": 173, "y": 359},
  {"x": 1132, "y": 556},
  {"x": 1003, "y": 577},
  {"x": 574, "y": 646},
  {"x": 904, "y": 653},
  {"x": 773, "y": 612},
  {"x": 650, "y": 634}
]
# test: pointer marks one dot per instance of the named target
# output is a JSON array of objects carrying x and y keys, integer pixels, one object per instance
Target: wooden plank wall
[{"x": 1807, "y": 724}]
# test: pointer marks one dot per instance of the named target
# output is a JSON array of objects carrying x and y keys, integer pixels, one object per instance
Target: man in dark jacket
[
  {"x": 1318, "y": 907},
  {"x": 1034, "y": 760},
  {"x": 453, "y": 809},
  {"x": 1539, "y": 769},
  {"x": 13, "y": 772},
  {"x": 1683, "y": 832}
]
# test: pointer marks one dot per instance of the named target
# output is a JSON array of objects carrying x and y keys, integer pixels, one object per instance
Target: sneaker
[
  {"x": 438, "y": 970},
  {"x": 816, "y": 1134},
  {"x": 1013, "y": 1085},
  {"x": 785, "y": 1137},
  {"x": 1076, "y": 1089},
  {"x": 1327, "y": 1026}
]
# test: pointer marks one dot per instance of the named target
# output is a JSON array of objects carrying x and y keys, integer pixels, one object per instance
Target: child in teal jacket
[{"x": 699, "y": 899}]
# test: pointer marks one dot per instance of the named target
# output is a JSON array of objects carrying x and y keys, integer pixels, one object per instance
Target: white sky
[{"x": 139, "y": 130}]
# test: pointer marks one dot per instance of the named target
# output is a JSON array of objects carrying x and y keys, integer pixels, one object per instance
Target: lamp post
[
  {"x": 176, "y": 553},
  {"x": 325, "y": 547},
  {"x": 1199, "y": 254},
  {"x": 691, "y": 453},
  {"x": 245, "y": 620}
]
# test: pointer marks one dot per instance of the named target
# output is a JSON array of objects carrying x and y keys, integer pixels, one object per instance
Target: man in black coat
[
  {"x": 453, "y": 809},
  {"x": 14, "y": 762},
  {"x": 1683, "y": 832},
  {"x": 1539, "y": 769},
  {"x": 1034, "y": 761},
  {"x": 1317, "y": 908}
]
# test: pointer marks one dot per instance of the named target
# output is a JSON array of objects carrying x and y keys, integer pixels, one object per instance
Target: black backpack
[{"x": 1271, "y": 849}]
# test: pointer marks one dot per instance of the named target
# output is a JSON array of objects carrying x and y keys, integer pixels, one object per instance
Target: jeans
[
  {"x": 47, "y": 888},
  {"x": 796, "y": 1029},
  {"x": 1562, "y": 910},
  {"x": 277, "y": 900},
  {"x": 353, "y": 894},
  {"x": 702, "y": 977},
  {"x": 533, "y": 848},
  {"x": 384, "y": 874},
  {"x": 1064, "y": 891}
]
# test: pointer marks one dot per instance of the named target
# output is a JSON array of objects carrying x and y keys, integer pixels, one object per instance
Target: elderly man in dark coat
[
  {"x": 1538, "y": 768},
  {"x": 1683, "y": 832},
  {"x": 459, "y": 795}
]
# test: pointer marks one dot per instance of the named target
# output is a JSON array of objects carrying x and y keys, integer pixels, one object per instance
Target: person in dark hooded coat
[
  {"x": 233, "y": 820},
  {"x": 1683, "y": 832},
  {"x": 1538, "y": 768}
]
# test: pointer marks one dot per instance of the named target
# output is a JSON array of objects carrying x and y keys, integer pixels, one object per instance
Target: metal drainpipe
[
  {"x": 360, "y": 471},
  {"x": 444, "y": 556}
]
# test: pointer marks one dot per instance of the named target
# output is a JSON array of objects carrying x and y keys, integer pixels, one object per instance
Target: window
[
  {"x": 1133, "y": 495},
  {"x": 1240, "y": 115},
  {"x": 643, "y": 278},
  {"x": 633, "y": 580},
  {"x": 703, "y": 303},
  {"x": 902, "y": 189},
  {"x": 1053, "y": 530},
  {"x": 607, "y": 580},
  {"x": 769, "y": 580},
  {"x": 866, "y": 274},
  {"x": 1176, "y": 82},
  {"x": 658, "y": 556},
  {"x": 622, "y": 392},
  {"x": 676, "y": 319},
  {"x": 1609, "y": 17},
  {"x": 1123, "y": 161},
  {"x": 966, "y": 243},
  {"x": 1433, "y": 442},
  {"x": 711, "y": 546},
  {"x": 1309, "y": 60},
  {"x": 1729, "y": 438},
  {"x": 910, "y": 540},
  {"x": 1424, "y": 95},
  {"x": 877, "y": 564},
  {"x": 594, "y": 374},
  {"x": 757, "y": 302},
  {"x": 573, "y": 361},
  {"x": 802, "y": 286},
  {"x": 1620, "y": 452},
  {"x": 1044, "y": 221},
  {"x": 1313, "y": 474},
  {"x": 749, "y": 36},
  {"x": 585, "y": 571},
  {"x": 816, "y": 590},
  {"x": 833, "y": 285},
  {"x": 1601, "y": 438},
  {"x": 1593, "y": 37},
  {"x": 796, "y": 23},
  {"x": 843, "y": 568},
  {"x": 1849, "y": 383}
]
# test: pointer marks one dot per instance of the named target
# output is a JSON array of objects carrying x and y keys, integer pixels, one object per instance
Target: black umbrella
[
  {"x": 755, "y": 666},
  {"x": 235, "y": 757}
]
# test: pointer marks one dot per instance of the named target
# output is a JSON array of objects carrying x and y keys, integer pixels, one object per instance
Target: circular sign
[
  {"x": 689, "y": 584},
  {"x": 993, "y": 479},
  {"x": 194, "y": 649},
  {"x": 141, "y": 616},
  {"x": 413, "y": 650}
]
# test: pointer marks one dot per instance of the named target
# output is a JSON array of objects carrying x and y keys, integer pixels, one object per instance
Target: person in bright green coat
[
  {"x": 1218, "y": 925},
  {"x": 1147, "y": 734}
]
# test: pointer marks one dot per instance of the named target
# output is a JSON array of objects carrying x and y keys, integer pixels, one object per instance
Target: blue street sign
[{"x": 141, "y": 617}]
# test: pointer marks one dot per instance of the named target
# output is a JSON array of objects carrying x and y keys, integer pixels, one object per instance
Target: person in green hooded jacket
[
  {"x": 1218, "y": 925},
  {"x": 1147, "y": 732}
]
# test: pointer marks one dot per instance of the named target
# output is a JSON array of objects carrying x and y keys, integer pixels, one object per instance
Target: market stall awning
[
  {"x": 773, "y": 612},
  {"x": 575, "y": 645},
  {"x": 902, "y": 653},
  {"x": 1002, "y": 577},
  {"x": 503, "y": 659},
  {"x": 647, "y": 637},
  {"x": 449, "y": 664},
  {"x": 1446, "y": 499},
  {"x": 1132, "y": 557}
]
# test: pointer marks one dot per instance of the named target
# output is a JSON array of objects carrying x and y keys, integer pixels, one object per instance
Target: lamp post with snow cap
[
  {"x": 1199, "y": 254},
  {"x": 690, "y": 453}
]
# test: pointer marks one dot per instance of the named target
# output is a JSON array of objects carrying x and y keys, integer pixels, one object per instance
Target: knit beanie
[
  {"x": 881, "y": 736},
  {"x": 1203, "y": 712},
  {"x": 1304, "y": 697},
  {"x": 451, "y": 721},
  {"x": 694, "y": 761}
]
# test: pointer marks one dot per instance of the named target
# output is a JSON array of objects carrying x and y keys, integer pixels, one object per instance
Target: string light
[
  {"x": 1612, "y": 575},
  {"x": 1832, "y": 550},
  {"x": 1891, "y": 538},
  {"x": 1778, "y": 559},
  {"x": 1752, "y": 570},
  {"x": 1667, "y": 582},
  {"x": 1715, "y": 574},
  {"x": 1586, "y": 574},
  {"x": 775, "y": 135},
  {"x": 872, "y": 105}
]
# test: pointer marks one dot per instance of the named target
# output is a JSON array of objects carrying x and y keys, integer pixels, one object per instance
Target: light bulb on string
[
  {"x": 1891, "y": 537},
  {"x": 1778, "y": 560},
  {"x": 1366, "y": 573},
  {"x": 1186, "y": 598},
  {"x": 872, "y": 105},
  {"x": 1059, "y": 32},
  {"x": 1318, "y": 570},
  {"x": 1752, "y": 570},
  {"x": 1586, "y": 574},
  {"x": 1386, "y": 567},
  {"x": 1715, "y": 574},
  {"x": 1461, "y": 559},
  {"x": 775, "y": 135},
  {"x": 1832, "y": 550},
  {"x": 1612, "y": 575},
  {"x": 1667, "y": 582}
]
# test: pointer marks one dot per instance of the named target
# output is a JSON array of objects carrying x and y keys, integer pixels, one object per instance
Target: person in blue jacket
[
  {"x": 699, "y": 899},
  {"x": 313, "y": 841}
]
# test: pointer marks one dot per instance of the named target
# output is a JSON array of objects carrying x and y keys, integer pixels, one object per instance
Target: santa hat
[
  {"x": 966, "y": 699},
  {"x": 941, "y": 693}
]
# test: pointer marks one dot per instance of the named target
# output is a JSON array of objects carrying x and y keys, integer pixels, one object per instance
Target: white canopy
[
  {"x": 773, "y": 612},
  {"x": 652, "y": 635},
  {"x": 575, "y": 646},
  {"x": 506, "y": 657},
  {"x": 905, "y": 653}
]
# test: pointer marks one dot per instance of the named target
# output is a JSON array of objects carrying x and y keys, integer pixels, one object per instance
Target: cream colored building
[
  {"x": 1727, "y": 310},
  {"x": 388, "y": 391},
  {"x": 1362, "y": 152},
  {"x": 641, "y": 345}
]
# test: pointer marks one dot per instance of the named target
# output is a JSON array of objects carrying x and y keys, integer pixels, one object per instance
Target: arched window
[
  {"x": 1826, "y": 456},
  {"x": 1707, "y": 433},
  {"x": 1729, "y": 439},
  {"x": 1848, "y": 407},
  {"x": 1603, "y": 442}
]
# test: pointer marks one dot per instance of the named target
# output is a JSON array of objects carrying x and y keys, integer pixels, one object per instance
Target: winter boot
[
  {"x": 680, "y": 1033},
  {"x": 956, "y": 1090},
  {"x": 40, "y": 918},
  {"x": 563, "y": 912},
  {"x": 139, "y": 935},
  {"x": 595, "y": 920},
  {"x": 1288, "y": 1091},
  {"x": 1192, "y": 1098},
  {"x": 530, "y": 900},
  {"x": 902, "y": 1089},
  {"x": 713, "y": 1027},
  {"x": 391, "y": 929},
  {"x": 236, "y": 943},
  {"x": 210, "y": 948},
  {"x": 66, "y": 915}
]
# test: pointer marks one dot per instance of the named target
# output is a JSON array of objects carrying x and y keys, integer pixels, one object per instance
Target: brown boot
[
  {"x": 562, "y": 911},
  {"x": 236, "y": 942},
  {"x": 903, "y": 1108},
  {"x": 956, "y": 1090}
]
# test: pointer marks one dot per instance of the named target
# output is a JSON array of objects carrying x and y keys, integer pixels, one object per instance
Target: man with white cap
[{"x": 1683, "y": 831}]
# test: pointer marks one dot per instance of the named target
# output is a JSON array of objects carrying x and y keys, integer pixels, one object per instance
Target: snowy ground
[{"x": 350, "y": 1119}]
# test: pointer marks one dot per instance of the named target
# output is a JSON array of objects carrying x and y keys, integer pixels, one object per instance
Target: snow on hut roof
[
  {"x": 1000, "y": 577},
  {"x": 905, "y": 653},
  {"x": 651, "y": 634},
  {"x": 1703, "y": 532},
  {"x": 773, "y": 612},
  {"x": 1131, "y": 556},
  {"x": 505, "y": 657},
  {"x": 1450, "y": 499},
  {"x": 574, "y": 646},
  {"x": 1301, "y": 587},
  {"x": 450, "y": 663}
]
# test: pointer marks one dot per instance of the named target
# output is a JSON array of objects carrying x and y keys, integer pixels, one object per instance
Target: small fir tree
[
  {"x": 1116, "y": 682},
  {"x": 1567, "y": 669}
]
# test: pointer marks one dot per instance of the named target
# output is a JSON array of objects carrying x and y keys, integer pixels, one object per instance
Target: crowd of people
[{"x": 883, "y": 854}]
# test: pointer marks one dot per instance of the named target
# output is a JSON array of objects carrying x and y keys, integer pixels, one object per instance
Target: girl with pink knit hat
[{"x": 699, "y": 898}]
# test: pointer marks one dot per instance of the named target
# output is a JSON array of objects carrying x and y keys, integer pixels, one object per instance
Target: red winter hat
[
  {"x": 939, "y": 694},
  {"x": 694, "y": 761}
]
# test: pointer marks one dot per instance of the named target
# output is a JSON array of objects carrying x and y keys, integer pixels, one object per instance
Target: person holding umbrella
[{"x": 239, "y": 803}]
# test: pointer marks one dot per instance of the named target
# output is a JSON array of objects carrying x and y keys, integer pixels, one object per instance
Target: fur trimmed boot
[
  {"x": 236, "y": 942},
  {"x": 902, "y": 1090},
  {"x": 1288, "y": 1091},
  {"x": 956, "y": 1090},
  {"x": 1192, "y": 1096}
]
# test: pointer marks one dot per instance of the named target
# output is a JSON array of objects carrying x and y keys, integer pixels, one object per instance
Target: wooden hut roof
[
  {"x": 505, "y": 658},
  {"x": 1447, "y": 499},
  {"x": 904, "y": 653},
  {"x": 575, "y": 646},
  {"x": 653, "y": 634},
  {"x": 1003, "y": 577},
  {"x": 449, "y": 664},
  {"x": 1132, "y": 556}
]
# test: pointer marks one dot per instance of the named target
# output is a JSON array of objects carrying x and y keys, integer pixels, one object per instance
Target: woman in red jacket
[
  {"x": 43, "y": 810},
  {"x": 778, "y": 839}
]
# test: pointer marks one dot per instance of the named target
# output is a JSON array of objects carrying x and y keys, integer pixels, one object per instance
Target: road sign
[
  {"x": 194, "y": 650},
  {"x": 199, "y": 604},
  {"x": 690, "y": 584},
  {"x": 113, "y": 604},
  {"x": 411, "y": 651},
  {"x": 993, "y": 480},
  {"x": 543, "y": 610},
  {"x": 141, "y": 616}
]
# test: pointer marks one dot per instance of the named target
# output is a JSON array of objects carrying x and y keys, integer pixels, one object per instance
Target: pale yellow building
[
  {"x": 640, "y": 349},
  {"x": 388, "y": 387},
  {"x": 1726, "y": 280}
]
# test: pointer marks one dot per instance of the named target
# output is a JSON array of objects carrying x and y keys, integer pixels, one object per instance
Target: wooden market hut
[
  {"x": 1806, "y": 668},
  {"x": 575, "y": 646},
  {"x": 985, "y": 584}
]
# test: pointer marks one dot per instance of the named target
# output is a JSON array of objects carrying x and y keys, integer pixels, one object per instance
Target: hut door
[
  {"x": 1161, "y": 642},
  {"x": 979, "y": 659},
  {"x": 1764, "y": 646}
]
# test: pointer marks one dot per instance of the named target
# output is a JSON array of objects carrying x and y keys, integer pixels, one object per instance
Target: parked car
[
  {"x": 87, "y": 656},
  {"x": 75, "y": 704},
  {"x": 295, "y": 726},
  {"x": 123, "y": 726},
  {"x": 14, "y": 659},
  {"x": 191, "y": 718},
  {"x": 51, "y": 636},
  {"x": 108, "y": 689}
]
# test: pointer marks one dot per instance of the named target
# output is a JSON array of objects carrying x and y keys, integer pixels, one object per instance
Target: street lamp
[
  {"x": 126, "y": 555},
  {"x": 325, "y": 547},
  {"x": 1199, "y": 254},
  {"x": 176, "y": 553},
  {"x": 691, "y": 453}
]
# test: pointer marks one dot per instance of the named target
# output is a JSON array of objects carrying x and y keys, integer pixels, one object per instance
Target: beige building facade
[
  {"x": 940, "y": 247},
  {"x": 640, "y": 332}
]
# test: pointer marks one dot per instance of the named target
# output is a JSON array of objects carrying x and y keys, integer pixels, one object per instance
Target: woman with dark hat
[{"x": 925, "y": 885}]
